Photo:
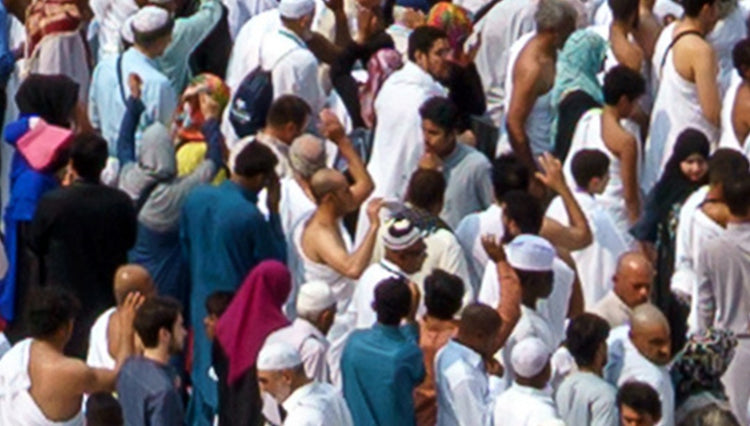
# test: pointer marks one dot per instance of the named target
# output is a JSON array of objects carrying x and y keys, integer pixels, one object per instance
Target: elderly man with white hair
[
  {"x": 281, "y": 374},
  {"x": 316, "y": 309},
  {"x": 528, "y": 402}
]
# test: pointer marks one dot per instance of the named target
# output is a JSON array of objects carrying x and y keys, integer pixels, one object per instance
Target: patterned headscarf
[
  {"x": 189, "y": 119},
  {"x": 700, "y": 365},
  {"x": 452, "y": 19},
  {"x": 382, "y": 64},
  {"x": 578, "y": 65}
]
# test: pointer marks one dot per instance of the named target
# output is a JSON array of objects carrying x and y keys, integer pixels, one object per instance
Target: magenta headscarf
[
  {"x": 255, "y": 312},
  {"x": 382, "y": 64}
]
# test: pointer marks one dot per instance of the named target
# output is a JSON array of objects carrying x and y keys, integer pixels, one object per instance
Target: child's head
[
  {"x": 216, "y": 303},
  {"x": 590, "y": 168}
]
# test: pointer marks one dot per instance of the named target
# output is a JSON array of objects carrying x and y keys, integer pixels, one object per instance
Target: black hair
[
  {"x": 392, "y": 300},
  {"x": 737, "y": 195},
  {"x": 584, "y": 336},
  {"x": 623, "y": 9},
  {"x": 50, "y": 309},
  {"x": 218, "y": 302},
  {"x": 480, "y": 320},
  {"x": 441, "y": 111},
  {"x": 741, "y": 55},
  {"x": 426, "y": 188},
  {"x": 622, "y": 81},
  {"x": 725, "y": 164},
  {"x": 88, "y": 155},
  {"x": 422, "y": 39},
  {"x": 102, "y": 409},
  {"x": 693, "y": 8},
  {"x": 509, "y": 174},
  {"x": 588, "y": 164},
  {"x": 525, "y": 210},
  {"x": 288, "y": 109},
  {"x": 156, "y": 313},
  {"x": 443, "y": 293},
  {"x": 255, "y": 159},
  {"x": 640, "y": 397}
]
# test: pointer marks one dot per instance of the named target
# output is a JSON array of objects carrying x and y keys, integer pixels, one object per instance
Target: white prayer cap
[
  {"x": 278, "y": 356},
  {"x": 529, "y": 357},
  {"x": 530, "y": 253},
  {"x": 149, "y": 19},
  {"x": 314, "y": 297},
  {"x": 295, "y": 9},
  {"x": 401, "y": 234},
  {"x": 126, "y": 31}
]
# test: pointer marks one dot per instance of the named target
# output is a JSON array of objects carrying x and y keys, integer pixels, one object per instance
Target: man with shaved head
[
  {"x": 322, "y": 246},
  {"x": 307, "y": 155},
  {"x": 647, "y": 352},
  {"x": 633, "y": 279},
  {"x": 104, "y": 339}
]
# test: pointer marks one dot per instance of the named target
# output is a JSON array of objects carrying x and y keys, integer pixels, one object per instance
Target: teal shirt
[
  {"x": 187, "y": 34},
  {"x": 381, "y": 367}
]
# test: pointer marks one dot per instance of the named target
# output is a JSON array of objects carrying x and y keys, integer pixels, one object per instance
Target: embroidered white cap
[
  {"x": 150, "y": 18},
  {"x": 314, "y": 297},
  {"x": 529, "y": 357},
  {"x": 278, "y": 356},
  {"x": 126, "y": 31},
  {"x": 400, "y": 234},
  {"x": 530, "y": 253},
  {"x": 295, "y": 9}
]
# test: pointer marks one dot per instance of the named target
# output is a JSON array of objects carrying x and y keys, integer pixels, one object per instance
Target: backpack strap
[
  {"x": 119, "y": 79},
  {"x": 674, "y": 41}
]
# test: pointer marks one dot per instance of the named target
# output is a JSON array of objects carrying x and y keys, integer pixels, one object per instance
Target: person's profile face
[
  {"x": 630, "y": 417},
  {"x": 275, "y": 384},
  {"x": 209, "y": 325},
  {"x": 654, "y": 343},
  {"x": 437, "y": 59},
  {"x": 436, "y": 139},
  {"x": 179, "y": 334}
]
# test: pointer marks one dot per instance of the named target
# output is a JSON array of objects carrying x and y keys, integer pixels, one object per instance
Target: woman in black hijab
[{"x": 685, "y": 172}]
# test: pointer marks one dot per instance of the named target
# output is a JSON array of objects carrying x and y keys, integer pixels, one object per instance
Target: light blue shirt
[
  {"x": 106, "y": 106},
  {"x": 469, "y": 184},
  {"x": 187, "y": 34},
  {"x": 584, "y": 398}
]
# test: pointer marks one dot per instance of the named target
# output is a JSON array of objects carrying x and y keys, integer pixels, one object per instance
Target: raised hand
[
  {"x": 494, "y": 248},
  {"x": 135, "y": 84},
  {"x": 551, "y": 174}
]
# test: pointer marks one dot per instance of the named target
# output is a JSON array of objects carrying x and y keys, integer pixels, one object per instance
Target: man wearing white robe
[
  {"x": 282, "y": 375},
  {"x": 398, "y": 141},
  {"x": 647, "y": 352},
  {"x": 632, "y": 283}
]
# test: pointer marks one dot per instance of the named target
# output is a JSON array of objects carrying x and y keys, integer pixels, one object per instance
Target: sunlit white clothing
[
  {"x": 728, "y": 135},
  {"x": 637, "y": 367},
  {"x": 533, "y": 323},
  {"x": 584, "y": 398},
  {"x": 525, "y": 406},
  {"x": 725, "y": 34},
  {"x": 111, "y": 14},
  {"x": 612, "y": 309},
  {"x": 364, "y": 294},
  {"x": 239, "y": 12},
  {"x": 469, "y": 233},
  {"x": 311, "y": 344},
  {"x": 316, "y": 404},
  {"x": 98, "y": 355},
  {"x": 63, "y": 53}
]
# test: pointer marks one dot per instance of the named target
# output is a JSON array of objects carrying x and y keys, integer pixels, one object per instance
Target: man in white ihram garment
[
  {"x": 685, "y": 67},
  {"x": 735, "y": 110},
  {"x": 528, "y": 401},
  {"x": 111, "y": 16},
  {"x": 398, "y": 142},
  {"x": 596, "y": 263},
  {"x": 316, "y": 308},
  {"x": 281, "y": 374},
  {"x": 647, "y": 352}
]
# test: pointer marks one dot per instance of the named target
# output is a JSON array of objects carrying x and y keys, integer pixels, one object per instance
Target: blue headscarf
[{"x": 578, "y": 65}]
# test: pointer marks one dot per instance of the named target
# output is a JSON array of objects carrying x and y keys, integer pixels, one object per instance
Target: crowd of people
[{"x": 359, "y": 212}]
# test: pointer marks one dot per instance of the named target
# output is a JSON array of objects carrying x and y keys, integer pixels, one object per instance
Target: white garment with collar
[
  {"x": 398, "y": 142},
  {"x": 525, "y": 406},
  {"x": 465, "y": 392},
  {"x": 311, "y": 344},
  {"x": 316, "y": 404},
  {"x": 364, "y": 294},
  {"x": 98, "y": 355},
  {"x": 637, "y": 367},
  {"x": 596, "y": 264},
  {"x": 17, "y": 407},
  {"x": 469, "y": 233},
  {"x": 533, "y": 323}
]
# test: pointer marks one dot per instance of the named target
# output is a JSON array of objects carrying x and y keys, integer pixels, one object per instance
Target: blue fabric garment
[
  {"x": 160, "y": 253},
  {"x": 148, "y": 395},
  {"x": 380, "y": 368},
  {"x": 7, "y": 61},
  {"x": 26, "y": 188},
  {"x": 224, "y": 236}
]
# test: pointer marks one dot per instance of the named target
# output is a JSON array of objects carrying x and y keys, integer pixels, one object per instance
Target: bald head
[
  {"x": 132, "y": 278},
  {"x": 633, "y": 278},
  {"x": 650, "y": 334},
  {"x": 307, "y": 155},
  {"x": 326, "y": 181}
]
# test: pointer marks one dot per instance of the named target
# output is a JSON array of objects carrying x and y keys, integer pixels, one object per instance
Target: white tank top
[
  {"x": 539, "y": 121},
  {"x": 728, "y": 135}
]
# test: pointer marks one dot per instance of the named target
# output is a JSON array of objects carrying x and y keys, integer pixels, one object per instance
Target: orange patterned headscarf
[
  {"x": 452, "y": 19},
  {"x": 189, "y": 119}
]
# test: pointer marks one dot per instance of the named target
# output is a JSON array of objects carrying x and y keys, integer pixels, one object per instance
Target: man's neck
[
  {"x": 611, "y": 111},
  {"x": 593, "y": 369},
  {"x": 546, "y": 43},
  {"x": 158, "y": 354},
  {"x": 688, "y": 23},
  {"x": 393, "y": 262},
  {"x": 529, "y": 302},
  {"x": 274, "y": 134},
  {"x": 620, "y": 28},
  {"x": 146, "y": 52},
  {"x": 326, "y": 215},
  {"x": 54, "y": 343}
]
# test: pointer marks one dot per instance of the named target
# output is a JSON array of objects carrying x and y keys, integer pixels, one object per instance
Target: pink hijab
[
  {"x": 255, "y": 312},
  {"x": 381, "y": 65}
]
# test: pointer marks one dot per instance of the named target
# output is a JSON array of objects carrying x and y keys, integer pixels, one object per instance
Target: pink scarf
[{"x": 255, "y": 312}]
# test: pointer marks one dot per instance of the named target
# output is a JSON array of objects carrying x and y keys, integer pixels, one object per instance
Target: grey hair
[
  {"x": 726, "y": 7},
  {"x": 553, "y": 15},
  {"x": 307, "y": 155}
]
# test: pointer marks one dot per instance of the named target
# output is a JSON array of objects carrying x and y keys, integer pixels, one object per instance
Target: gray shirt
[
  {"x": 584, "y": 398},
  {"x": 469, "y": 190},
  {"x": 612, "y": 309},
  {"x": 724, "y": 280}
]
